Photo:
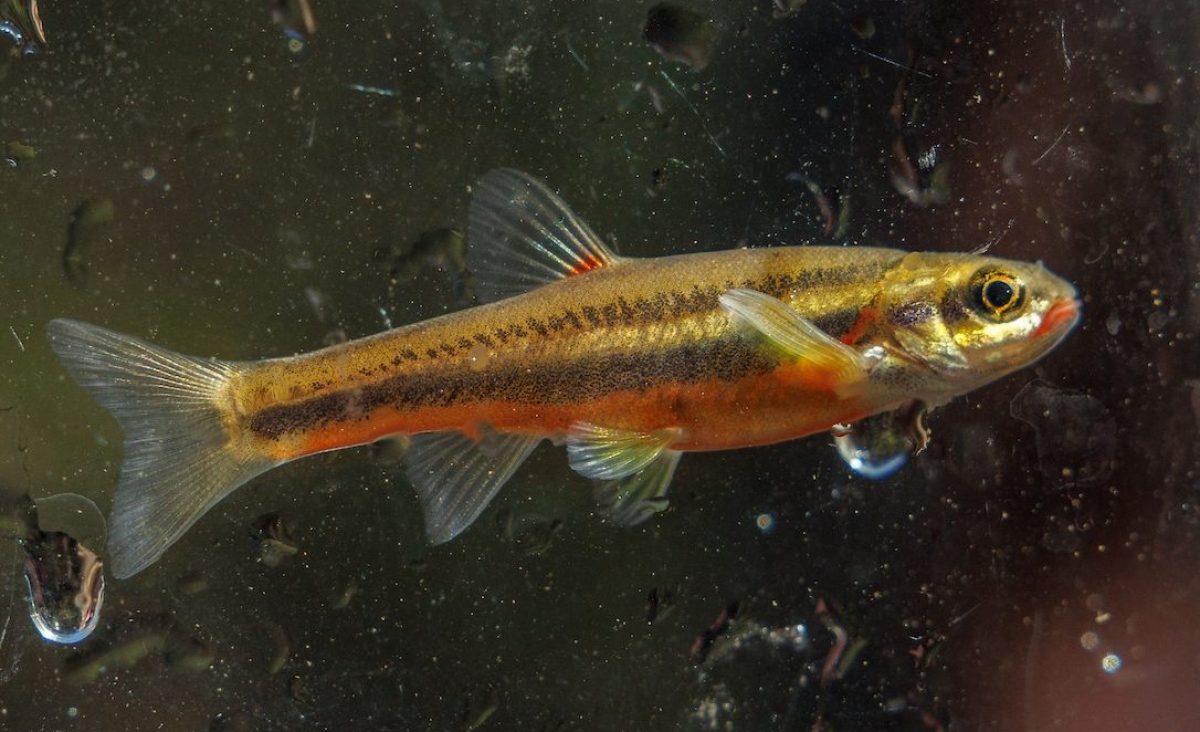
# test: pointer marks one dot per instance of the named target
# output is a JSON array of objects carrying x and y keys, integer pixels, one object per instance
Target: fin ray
[
  {"x": 795, "y": 336},
  {"x": 631, "y": 500},
  {"x": 606, "y": 453},
  {"x": 457, "y": 477},
  {"x": 522, "y": 236},
  {"x": 179, "y": 458}
]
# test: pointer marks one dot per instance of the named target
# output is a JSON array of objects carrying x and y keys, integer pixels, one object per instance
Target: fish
[{"x": 627, "y": 362}]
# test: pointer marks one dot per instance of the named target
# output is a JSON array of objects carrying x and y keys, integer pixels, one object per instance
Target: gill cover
[{"x": 915, "y": 292}]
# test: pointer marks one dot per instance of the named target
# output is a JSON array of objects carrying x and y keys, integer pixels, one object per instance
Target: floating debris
[
  {"x": 681, "y": 35},
  {"x": 21, "y": 23},
  {"x": 341, "y": 599},
  {"x": 84, "y": 226},
  {"x": 660, "y": 602},
  {"x": 218, "y": 132},
  {"x": 786, "y": 8},
  {"x": 704, "y": 642},
  {"x": 295, "y": 18},
  {"x": 64, "y": 578},
  {"x": 748, "y": 634},
  {"x": 298, "y": 689},
  {"x": 878, "y": 446},
  {"x": 833, "y": 226},
  {"x": 926, "y": 185},
  {"x": 281, "y": 649},
  {"x": 378, "y": 91},
  {"x": 843, "y": 652},
  {"x": 444, "y": 249},
  {"x": 135, "y": 638},
  {"x": 636, "y": 90},
  {"x": 481, "y": 710},
  {"x": 1076, "y": 436},
  {"x": 530, "y": 533},
  {"x": 192, "y": 583},
  {"x": 863, "y": 26},
  {"x": 765, "y": 522},
  {"x": 16, "y": 154},
  {"x": 275, "y": 540}
]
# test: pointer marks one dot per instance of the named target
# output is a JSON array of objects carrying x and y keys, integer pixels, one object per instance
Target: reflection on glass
[{"x": 64, "y": 578}]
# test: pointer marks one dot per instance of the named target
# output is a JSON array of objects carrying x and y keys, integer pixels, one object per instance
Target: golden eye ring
[{"x": 997, "y": 294}]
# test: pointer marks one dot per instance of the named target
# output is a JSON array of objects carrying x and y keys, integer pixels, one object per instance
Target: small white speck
[{"x": 1111, "y": 663}]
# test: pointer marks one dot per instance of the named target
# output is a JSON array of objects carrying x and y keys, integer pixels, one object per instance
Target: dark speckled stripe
[
  {"x": 664, "y": 307},
  {"x": 450, "y": 383},
  {"x": 554, "y": 383}
]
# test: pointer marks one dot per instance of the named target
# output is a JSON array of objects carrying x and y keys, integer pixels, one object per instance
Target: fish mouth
[{"x": 1061, "y": 317}]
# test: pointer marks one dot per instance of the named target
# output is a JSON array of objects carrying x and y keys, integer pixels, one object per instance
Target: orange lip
[{"x": 1062, "y": 312}]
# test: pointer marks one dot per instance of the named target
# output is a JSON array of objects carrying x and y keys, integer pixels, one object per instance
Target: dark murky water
[{"x": 224, "y": 184}]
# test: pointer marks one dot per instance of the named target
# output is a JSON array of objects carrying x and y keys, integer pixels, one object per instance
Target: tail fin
[{"x": 180, "y": 456}]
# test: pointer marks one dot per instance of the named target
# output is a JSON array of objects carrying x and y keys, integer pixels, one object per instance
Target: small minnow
[{"x": 628, "y": 362}]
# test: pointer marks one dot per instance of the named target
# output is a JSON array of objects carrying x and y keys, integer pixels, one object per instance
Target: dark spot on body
[
  {"x": 912, "y": 313},
  {"x": 537, "y": 326}
]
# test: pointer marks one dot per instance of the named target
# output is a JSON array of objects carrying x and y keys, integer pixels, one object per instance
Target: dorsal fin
[{"x": 522, "y": 236}]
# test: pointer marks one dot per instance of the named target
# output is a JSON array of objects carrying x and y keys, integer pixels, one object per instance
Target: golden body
[{"x": 640, "y": 345}]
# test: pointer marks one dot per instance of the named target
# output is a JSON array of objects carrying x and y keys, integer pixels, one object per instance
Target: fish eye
[{"x": 997, "y": 294}]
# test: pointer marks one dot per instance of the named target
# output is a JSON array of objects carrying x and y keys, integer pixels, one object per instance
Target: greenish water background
[{"x": 1070, "y": 133}]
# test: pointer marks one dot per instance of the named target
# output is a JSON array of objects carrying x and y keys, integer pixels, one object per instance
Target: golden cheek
[{"x": 995, "y": 335}]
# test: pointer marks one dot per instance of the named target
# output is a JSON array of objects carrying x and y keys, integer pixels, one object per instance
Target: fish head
[{"x": 972, "y": 319}]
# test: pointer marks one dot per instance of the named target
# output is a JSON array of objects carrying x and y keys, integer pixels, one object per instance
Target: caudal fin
[{"x": 180, "y": 457}]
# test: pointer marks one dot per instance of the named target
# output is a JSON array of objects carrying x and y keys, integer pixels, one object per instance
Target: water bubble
[
  {"x": 872, "y": 447},
  {"x": 64, "y": 578},
  {"x": 21, "y": 23},
  {"x": 1111, "y": 663}
]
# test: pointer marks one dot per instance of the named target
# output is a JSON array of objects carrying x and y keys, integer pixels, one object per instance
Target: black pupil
[{"x": 998, "y": 293}]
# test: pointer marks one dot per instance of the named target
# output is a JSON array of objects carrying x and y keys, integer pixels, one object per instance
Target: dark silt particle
[
  {"x": 1076, "y": 436},
  {"x": 275, "y": 540},
  {"x": 786, "y": 8},
  {"x": 681, "y": 35},
  {"x": 85, "y": 225},
  {"x": 16, "y": 154},
  {"x": 443, "y": 249}
]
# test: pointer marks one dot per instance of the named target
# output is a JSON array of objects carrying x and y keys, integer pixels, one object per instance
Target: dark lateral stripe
[
  {"x": 663, "y": 307},
  {"x": 554, "y": 383}
]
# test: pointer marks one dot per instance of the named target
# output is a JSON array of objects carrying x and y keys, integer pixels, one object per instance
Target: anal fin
[{"x": 457, "y": 477}]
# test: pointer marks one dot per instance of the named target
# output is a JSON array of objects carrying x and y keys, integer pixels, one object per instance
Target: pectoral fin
[{"x": 824, "y": 358}]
